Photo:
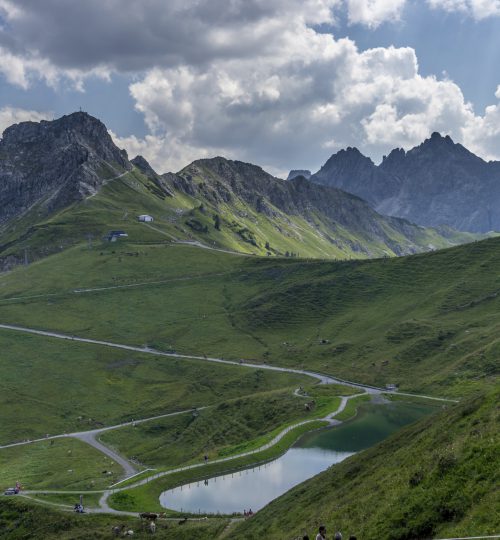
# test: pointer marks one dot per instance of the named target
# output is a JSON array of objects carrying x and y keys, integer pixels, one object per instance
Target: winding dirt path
[{"x": 90, "y": 437}]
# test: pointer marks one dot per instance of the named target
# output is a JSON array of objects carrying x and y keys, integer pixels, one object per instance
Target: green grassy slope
[
  {"x": 52, "y": 386},
  {"x": 186, "y": 218},
  {"x": 58, "y": 464},
  {"x": 231, "y": 427},
  {"x": 23, "y": 520},
  {"x": 436, "y": 478},
  {"x": 427, "y": 322}
]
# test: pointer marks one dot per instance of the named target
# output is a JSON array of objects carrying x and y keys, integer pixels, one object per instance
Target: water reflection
[
  {"x": 315, "y": 452},
  {"x": 252, "y": 488}
]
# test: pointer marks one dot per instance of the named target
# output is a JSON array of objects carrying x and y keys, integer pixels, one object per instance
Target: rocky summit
[
  {"x": 50, "y": 164},
  {"x": 50, "y": 172},
  {"x": 436, "y": 183}
]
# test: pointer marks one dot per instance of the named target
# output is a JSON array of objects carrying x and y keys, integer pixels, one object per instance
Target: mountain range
[
  {"x": 65, "y": 180},
  {"x": 436, "y": 183}
]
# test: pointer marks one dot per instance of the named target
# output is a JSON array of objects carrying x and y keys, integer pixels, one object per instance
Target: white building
[{"x": 145, "y": 218}]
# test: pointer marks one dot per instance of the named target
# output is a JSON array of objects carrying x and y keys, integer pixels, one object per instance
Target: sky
[{"x": 279, "y": 83}]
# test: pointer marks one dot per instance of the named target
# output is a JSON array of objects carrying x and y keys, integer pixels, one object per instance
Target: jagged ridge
[{"x": 436, "y": 183}]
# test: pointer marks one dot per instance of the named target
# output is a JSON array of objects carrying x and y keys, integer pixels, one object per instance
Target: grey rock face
[
  {"x": 299, "y": 172},
  {"x": 436, "y": 183},
  {"x": 55, "y": 163},
  {"x": 160, "y": 182}
]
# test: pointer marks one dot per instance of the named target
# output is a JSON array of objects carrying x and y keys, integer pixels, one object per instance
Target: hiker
[
  {"x": 152, "y": 527},
  {"x": 206, "y": 458},
  {"x": 338, "y": 536},
  {"x": 321, "y": 533}
]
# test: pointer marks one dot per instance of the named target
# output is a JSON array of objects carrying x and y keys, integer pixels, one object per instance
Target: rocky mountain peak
[
  {"x": 347, "y": 158},
  {"x": 143, "y": 165},
  {"x": 55, "y": 163},
  {"x": 438, "y": 182},
  {"x": 395, "y": 157}
]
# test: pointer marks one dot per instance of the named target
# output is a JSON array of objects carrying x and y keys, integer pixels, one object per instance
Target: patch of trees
[{"x": 196, "y": 225}]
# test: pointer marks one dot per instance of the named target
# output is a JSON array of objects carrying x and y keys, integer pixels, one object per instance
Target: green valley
[{"x": 245, "y": 313}]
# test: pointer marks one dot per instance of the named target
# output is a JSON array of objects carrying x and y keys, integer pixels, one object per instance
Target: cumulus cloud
[
  {"x": 11, "y": 115},
  {"x": 249, "y": 79},
  {"x": 295, "y": 110},
  {"x": 482, "y": 133},
  {"x": 126, "y": 35},
  {"x": 479, "y": 9},
  {"x": 374, "y": 12}
]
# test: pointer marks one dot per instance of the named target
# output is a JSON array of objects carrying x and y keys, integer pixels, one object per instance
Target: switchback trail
[
  {"x": 130, "y": 470},
  {"x": 105, "y": 508}
]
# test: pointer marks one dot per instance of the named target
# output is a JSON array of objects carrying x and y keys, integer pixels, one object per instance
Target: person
[
  {"x": 338, "y": 535},
  {"x": 352, "y": 537},
  {"x": 305, "y": 537},
  {"x": 321, "y": 533}
]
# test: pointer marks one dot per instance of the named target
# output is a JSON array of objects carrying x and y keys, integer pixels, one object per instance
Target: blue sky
[{"x": 281, "y": 83}]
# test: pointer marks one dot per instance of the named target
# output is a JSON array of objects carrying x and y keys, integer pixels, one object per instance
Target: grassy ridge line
[
  {"x": 227, "y": 429},
  {"x": 243, "y": 229},
  {"x": 394, "y": 320}
]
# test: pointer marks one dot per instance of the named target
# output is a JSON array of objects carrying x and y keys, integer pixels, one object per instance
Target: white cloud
[
  {"x": 482, "y": 133},
  {"x": 164, "y": 154},
  {"x": 11, "y": 115},
  {"x": 293, "y": 109},
  {"x": 479, "y": 9},
  {"x": 131, "y": 36},
  {"x": 249, "y": 79},
  {"x": 374, "y": 12}
]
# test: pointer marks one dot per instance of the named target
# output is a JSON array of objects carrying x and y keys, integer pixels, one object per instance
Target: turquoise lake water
[{"x": 313, "y": 453}]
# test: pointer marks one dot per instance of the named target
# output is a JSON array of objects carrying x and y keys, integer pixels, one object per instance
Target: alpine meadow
[{"x": 220, "y": 352}]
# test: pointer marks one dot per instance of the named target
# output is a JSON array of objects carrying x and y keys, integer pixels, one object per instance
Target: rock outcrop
[
  {"x": 53, "y": 164},
  {"x": 436, "y": 183}
]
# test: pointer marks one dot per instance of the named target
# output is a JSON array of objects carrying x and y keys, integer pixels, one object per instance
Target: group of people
[
  {"x": 322, "y": 535},
  {"x": 78, "y": 508},
  {"x": 248, "y": 514}
]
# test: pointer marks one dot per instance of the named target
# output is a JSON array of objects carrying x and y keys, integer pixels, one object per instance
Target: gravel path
[{"x": 90, "y": 437}]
